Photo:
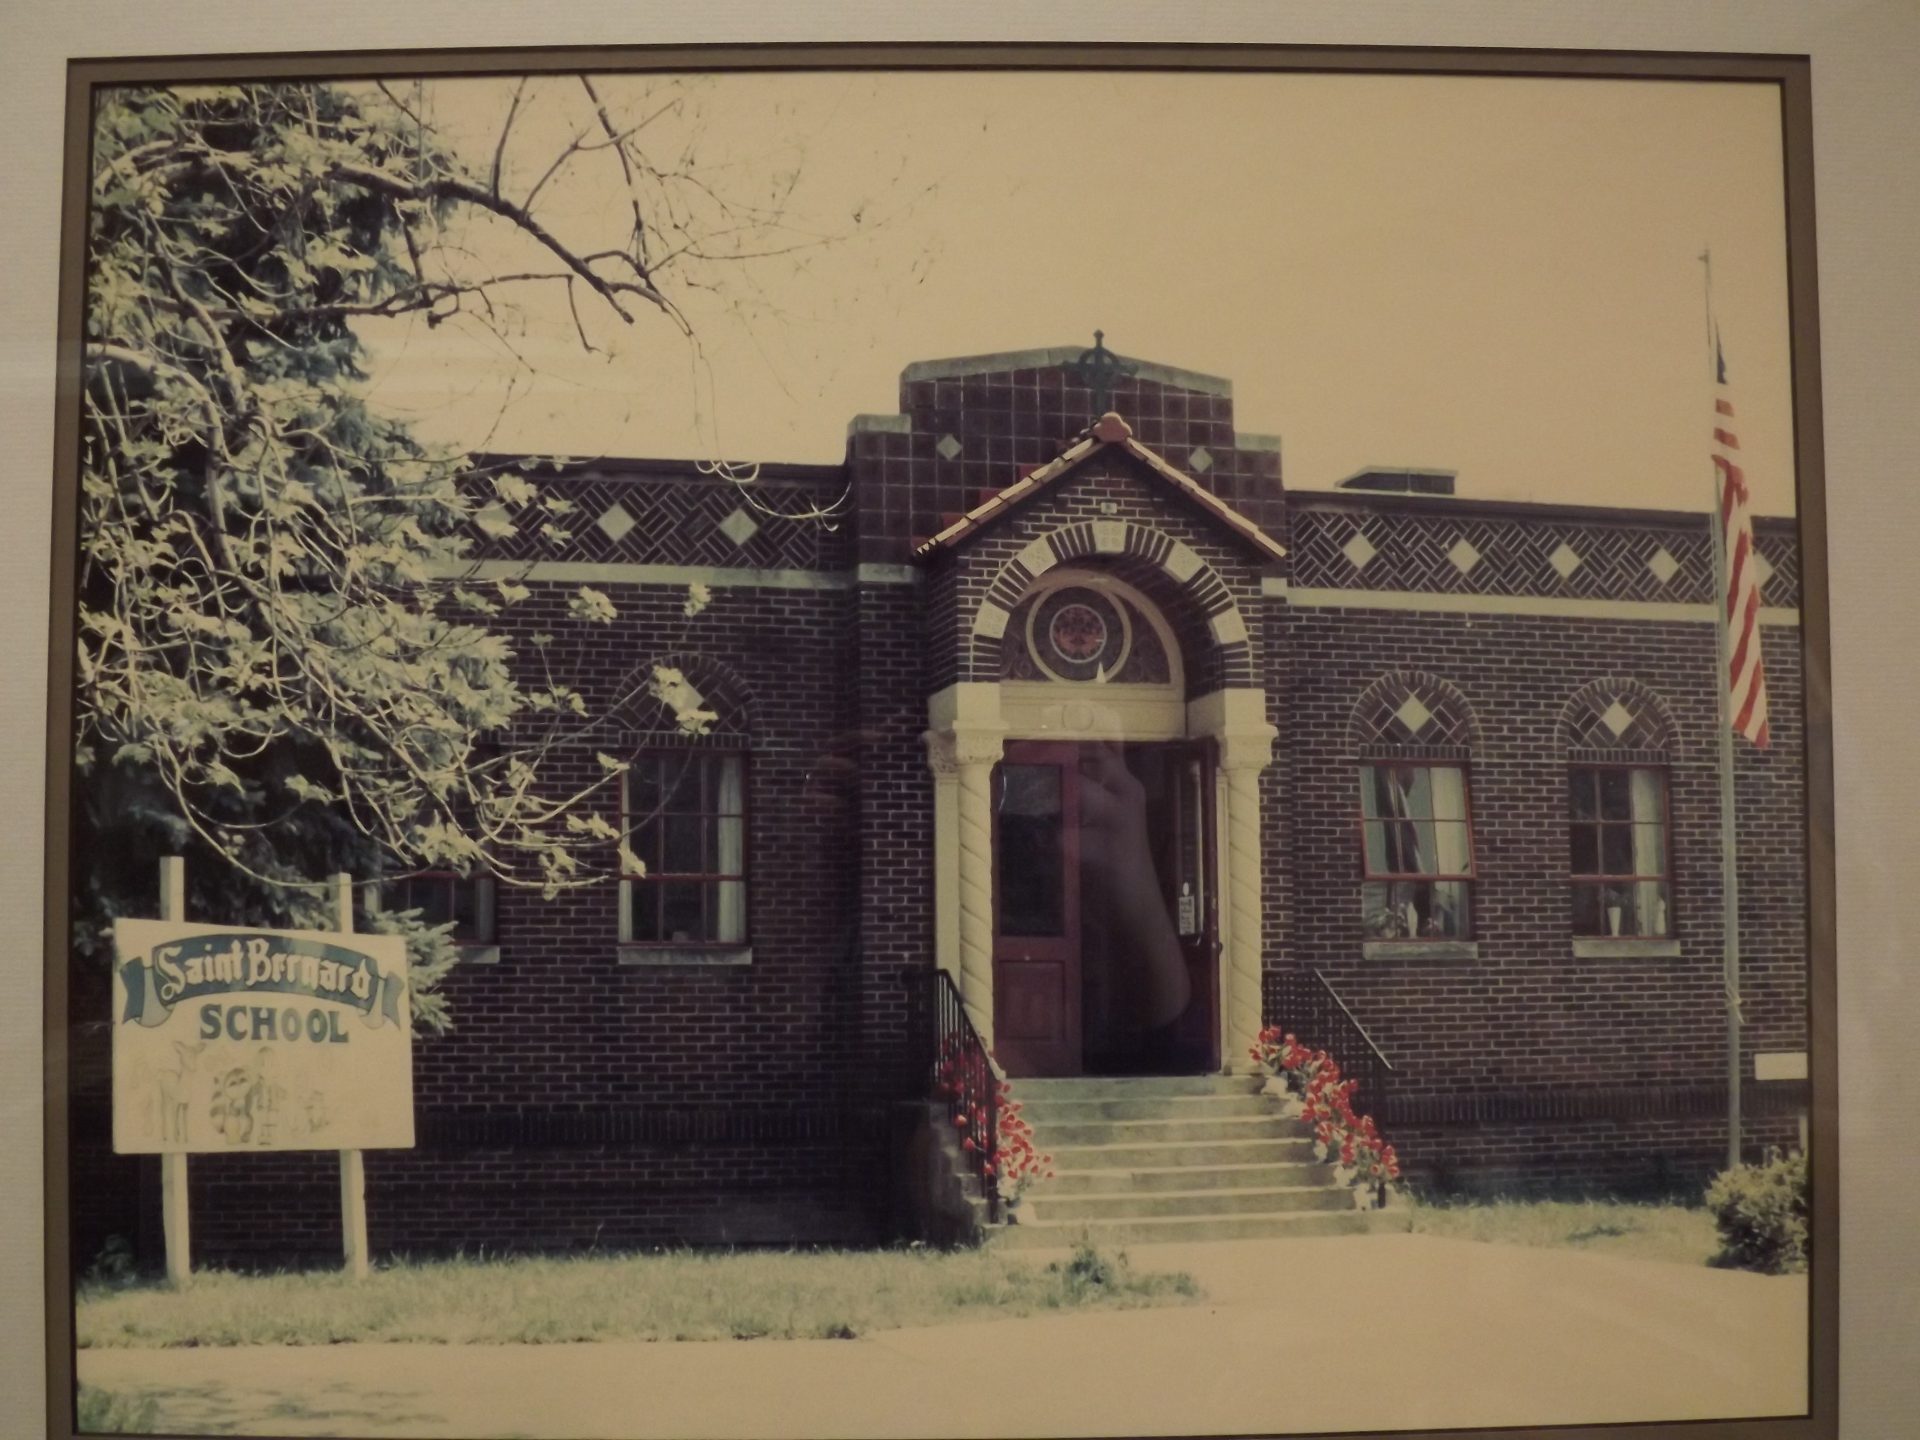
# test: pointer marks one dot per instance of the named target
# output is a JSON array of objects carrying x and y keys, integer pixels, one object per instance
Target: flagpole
[{"x": 1729, "y": 866}]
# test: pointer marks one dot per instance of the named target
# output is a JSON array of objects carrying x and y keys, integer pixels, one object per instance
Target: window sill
[
  {"x": 1605, "y": 947},
  {"x": 474, "y": 954},
  {"x": 703, "y": 955},
  {"x": 1420, "y": 950}
]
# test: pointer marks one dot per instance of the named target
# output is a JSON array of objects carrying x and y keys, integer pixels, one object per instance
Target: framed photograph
[{"x": 944, "y": 741}]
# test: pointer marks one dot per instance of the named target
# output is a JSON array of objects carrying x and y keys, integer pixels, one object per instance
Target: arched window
[
  {"x": 684, "y": 815},
  {"x": 1414, "y": 737},
  {"x": 1619, "y": 739},
  {"x": 1085, "y": 627}
]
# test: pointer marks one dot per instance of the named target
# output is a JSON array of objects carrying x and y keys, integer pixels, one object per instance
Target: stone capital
[
  {"x": 951, "y": 751},
  {"x": 1237, "y": 719},
  {"x": 1247, "y": 749}
]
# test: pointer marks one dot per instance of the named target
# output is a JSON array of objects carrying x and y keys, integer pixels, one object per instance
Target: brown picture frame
[{"x": 1789, "y": 74}]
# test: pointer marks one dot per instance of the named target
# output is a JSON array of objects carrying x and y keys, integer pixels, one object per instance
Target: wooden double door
[{"x": 1105, "y": 938}]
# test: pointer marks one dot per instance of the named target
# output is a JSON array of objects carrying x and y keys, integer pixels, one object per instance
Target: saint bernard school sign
[{"x": 228, "y": 1039}]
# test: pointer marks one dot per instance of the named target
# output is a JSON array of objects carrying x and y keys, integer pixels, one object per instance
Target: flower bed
[
  {"x": 967, "y": 1080},
  {"x": 1353, "y": 1143}
]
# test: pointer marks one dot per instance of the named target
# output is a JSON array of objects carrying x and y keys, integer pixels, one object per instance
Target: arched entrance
[{"x": 1097, "y": 830}]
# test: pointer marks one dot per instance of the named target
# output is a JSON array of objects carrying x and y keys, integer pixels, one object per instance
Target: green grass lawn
[
  {"x": 101, "y": 1412},
  {"x": 1640, "y": 1231},
  {"x": 679, "y": 1296}
]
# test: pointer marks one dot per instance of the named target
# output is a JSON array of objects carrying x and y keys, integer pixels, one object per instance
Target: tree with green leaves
[{"x": 285, "y": 668}]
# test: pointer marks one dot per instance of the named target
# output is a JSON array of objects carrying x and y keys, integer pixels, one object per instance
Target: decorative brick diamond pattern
[
  {"x": 947, "y": 447},
  {"x": 1411, "y": 714},
  {"x": 1780, "y": 582},
  {"x": 1617, "y": 719},
  {"x": 615, "y": 522},
  {"x": 671, "y": 520},
  {"x": 1522, "y": 556},
  {"x": 1200, "y": 461}
]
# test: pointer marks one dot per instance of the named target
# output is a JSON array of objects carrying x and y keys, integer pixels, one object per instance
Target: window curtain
[
  {"x": 730, "y": 915},
  {"x": 1647, "y": 800},
  {"x": 1403, "y": 840},
  {"x": 1449, "y": 804}
]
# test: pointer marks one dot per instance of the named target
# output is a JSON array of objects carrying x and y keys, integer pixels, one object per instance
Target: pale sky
[{"x": 1494, "y": 276}]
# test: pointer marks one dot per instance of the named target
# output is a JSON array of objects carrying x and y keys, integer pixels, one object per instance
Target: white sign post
[
  {"x": 228, "y": 1038},
  {"x": 353, "y": 1167},
  {"x": 173, "y": 1164}
]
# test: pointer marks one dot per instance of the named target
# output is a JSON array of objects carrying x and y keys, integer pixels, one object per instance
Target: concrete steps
[
  {"x": 1285, "y": 1175},
  {"x": 1174, "y": 1152},
  {"x": 1233, "y": 1128},
  {"x": 1039, "y": 1234},
  {"x": 1179, "y": 1158},
  {"x": 1171, "y": 1107},
  {"x": 1132, "y": 1205},
  {"x": 1127, "y": 1087}
]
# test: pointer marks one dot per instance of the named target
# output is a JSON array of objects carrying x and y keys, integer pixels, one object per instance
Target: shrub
[
  {"x": 1761, "y": 1213},
  {"x": 1090, "y": 1268}
]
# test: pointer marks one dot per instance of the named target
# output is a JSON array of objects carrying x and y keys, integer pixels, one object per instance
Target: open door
[
  {"x": 1163, "y": 918},
  {"x": 1186, "y": 865},
  {"x": 1036, "y": 941}
]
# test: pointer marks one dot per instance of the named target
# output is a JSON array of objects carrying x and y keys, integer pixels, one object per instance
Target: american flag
[{"x": 1746, "y": 678}]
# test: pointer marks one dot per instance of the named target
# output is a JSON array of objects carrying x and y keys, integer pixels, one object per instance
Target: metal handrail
[
  {"x": 1304, "y": 1003},
  {"x": 960, "y": 1071},
  {"x": 1379, "y": 1055}
]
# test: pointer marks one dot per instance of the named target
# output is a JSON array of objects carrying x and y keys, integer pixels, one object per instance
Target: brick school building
[{"x": 1443, "y": 764}]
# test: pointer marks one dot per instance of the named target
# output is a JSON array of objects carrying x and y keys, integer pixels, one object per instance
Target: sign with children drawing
[{"x": 236, "y": 1039}]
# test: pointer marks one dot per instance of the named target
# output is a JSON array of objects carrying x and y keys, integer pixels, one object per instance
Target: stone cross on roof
[{"x": 1097, "y": 369}]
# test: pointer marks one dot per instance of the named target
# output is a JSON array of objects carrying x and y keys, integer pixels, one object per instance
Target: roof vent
[{"x": 1400, "y": 480}]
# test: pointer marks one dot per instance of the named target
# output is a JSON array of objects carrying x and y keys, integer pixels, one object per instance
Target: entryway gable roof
[{"x": 1108, "y": 432}]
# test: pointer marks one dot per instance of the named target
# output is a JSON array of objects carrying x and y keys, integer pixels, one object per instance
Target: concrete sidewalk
[{"x": 1367, "y": 1333}]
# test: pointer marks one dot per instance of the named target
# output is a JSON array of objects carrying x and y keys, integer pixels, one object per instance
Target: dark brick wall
[
  {"x": 894, "y": 798},
  {"x": 560, "y": 1021},
  {"x": 1009, "y": 420},
  {"x": 1107, "y": 487},
  {"x": 1632, "y": 1156},
  {"x": 1525, "y": 1014}
]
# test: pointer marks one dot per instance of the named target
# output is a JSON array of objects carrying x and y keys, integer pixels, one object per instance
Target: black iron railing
[
  {"x": 1301, "y": 1002},
  {"x": 960, "y": 1075}
]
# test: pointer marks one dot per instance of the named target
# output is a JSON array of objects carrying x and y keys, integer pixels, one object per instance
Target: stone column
[
  {"x": 946, "y": 850},
  {"x": 964, "y": 743},
  {"x": 976, "y": 753},
  {"x": 1245, "y": 750}
]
